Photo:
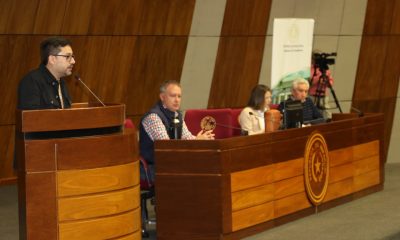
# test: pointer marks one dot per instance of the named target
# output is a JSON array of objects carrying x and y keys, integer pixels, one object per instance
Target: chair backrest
[
  {"x": 146, "y": 174},
  {"x": 235, "y": 121},
  {"x": 274, "y": 106},
  {"x": 128, "y": 123},
  {"x": 222, "y": 116}
]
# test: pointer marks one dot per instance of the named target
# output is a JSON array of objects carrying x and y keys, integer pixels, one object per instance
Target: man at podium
[{"x": 44, "y": 88}]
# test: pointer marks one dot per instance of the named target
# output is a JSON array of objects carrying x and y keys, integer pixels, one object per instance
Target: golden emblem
[
  {"x": 208, "y": 123},
  {"x": 316, "y": 168}
]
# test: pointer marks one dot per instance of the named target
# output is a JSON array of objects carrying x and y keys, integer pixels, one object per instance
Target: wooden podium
[
  {"x": 235, "y": 187},
  {"x": 78, "y": 174}
]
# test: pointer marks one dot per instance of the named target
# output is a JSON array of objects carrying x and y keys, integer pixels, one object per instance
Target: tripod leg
[{"x": 334, "y": 97}]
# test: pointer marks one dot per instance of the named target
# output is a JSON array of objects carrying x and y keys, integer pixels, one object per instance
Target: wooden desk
[
  {"x": 78, "y": 174},
  {"x": 232, "y": 188}
]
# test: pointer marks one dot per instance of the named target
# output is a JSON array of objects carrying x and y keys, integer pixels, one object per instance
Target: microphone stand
[{"x": 93, "y": 94}]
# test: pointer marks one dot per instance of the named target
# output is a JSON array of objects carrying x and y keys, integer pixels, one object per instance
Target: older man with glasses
[
  {"x": 300, "y": 88},
  {"x": 44, "y": 88}
]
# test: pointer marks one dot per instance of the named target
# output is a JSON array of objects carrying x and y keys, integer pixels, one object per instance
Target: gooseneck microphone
[
  {"x": 175, "y": 124},
  {"x": 80, "y": 80},
  {"x": 358, "y": 111}
]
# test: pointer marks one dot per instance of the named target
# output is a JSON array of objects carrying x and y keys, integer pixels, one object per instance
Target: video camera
[{"x": 322, "y": 60}]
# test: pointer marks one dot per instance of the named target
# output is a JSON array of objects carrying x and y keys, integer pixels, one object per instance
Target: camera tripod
[{"x": 323, "y": 82}]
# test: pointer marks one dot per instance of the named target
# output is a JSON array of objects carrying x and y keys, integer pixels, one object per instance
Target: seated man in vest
[
  {"x": 299, "y": 91},
  {"x": 164, "y": 121}
]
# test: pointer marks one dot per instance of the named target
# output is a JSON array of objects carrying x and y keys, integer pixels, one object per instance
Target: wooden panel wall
[
  {"x": 378, "y": 70},
  {"x": 124, "y": 50},
  {"x": 240, "y": 52}
]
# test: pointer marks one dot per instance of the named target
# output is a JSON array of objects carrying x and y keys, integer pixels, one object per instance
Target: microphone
[
  {"x": 360, "y": 113},
  {"x": 175, "y": 125},
  {"x": 80, "y": 80},
  {"x": 227, "y": 126}
]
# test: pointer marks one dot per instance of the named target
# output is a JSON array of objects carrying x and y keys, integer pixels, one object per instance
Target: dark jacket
[{"x": 39, "y": 90}]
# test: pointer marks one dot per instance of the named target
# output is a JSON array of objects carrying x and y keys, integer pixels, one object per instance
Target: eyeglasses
[{"x": 67, "y": 57}]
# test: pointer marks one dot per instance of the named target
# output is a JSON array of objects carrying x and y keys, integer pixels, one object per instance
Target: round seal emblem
[
  {"x": 316, "y": 168},
  {"x": 208, "y": 123}
]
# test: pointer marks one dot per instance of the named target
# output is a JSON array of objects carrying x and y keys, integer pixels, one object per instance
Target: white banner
[{"x": 291, "y": 54}]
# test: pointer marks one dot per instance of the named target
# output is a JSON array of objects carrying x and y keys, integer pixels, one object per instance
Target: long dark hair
[{"x": 257, "y": 99}]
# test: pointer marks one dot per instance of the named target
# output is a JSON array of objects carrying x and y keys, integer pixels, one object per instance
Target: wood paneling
[
  {"x": 156, "y": 59},
  {"x": 79, "y": 182},
  {"x": 40, "y": 156},
  {"x": 219, "y": 189},
  {"x": 16, "y": 17},
  {"x": 378, "y": 18},
  {"x": 340, "y": 156},
  {"x": 377, "y": 77},
  {"x": 339, "y": 189},
  {"x": 239, "y": 59},
  {"x": 252, "y": 197},
  {"x": 98, "y": 205},
  {"x": 252, "y": 216},
  {"x": 383, "y": 105},
  {"x": 391, "y": 72},
  {"x": 115, "y": 17},
  {"x": 41, "y": 205},
  {"x": 341, "y": 172},
  {"x": 72, "y": 119},
  {"x": 289, "y": 187},
  {"x": 104, "y": 39},
  {"x": 77, "y": 17},
  {"x": 237, "y": 70},
  {"x": 105, "y": 68},
  {"x": 366, "y": 150},
  {"x": 101, "y": 228},
  {"x": 245, "y": 179},
  {"x": 17, "y": 58},
  {"x": 396, "y": 18},
  {"x": 366, "y": 165},
  {"x": 96, "y": 152},
  {"x": 211, "y": 199},
  {"x": 371, "y": 67},
  {"x": 248, "y": 17},
  {"x": 134, "y": 236},
  {"x": 48, "y": 9},
  {"x": 288, "y": 169},
  {"x": 366, "y": 180},
  {"x": 6, "y": 153},
  {"x": 291, "y": 204},
  {"x": 166, "y": 17}
]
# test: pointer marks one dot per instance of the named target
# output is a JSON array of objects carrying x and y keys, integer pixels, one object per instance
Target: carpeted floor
[{"x": 375, "y": 216}]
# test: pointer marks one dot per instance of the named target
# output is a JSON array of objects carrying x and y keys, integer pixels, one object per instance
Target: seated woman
[{"x": 251, "y": 118}]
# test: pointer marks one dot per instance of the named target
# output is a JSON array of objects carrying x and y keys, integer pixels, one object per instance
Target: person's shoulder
[
  {"x": 31, "y": 76},
  {"x": 309, "y": 101},
  {"x": 151, "y": 117},
  {"x": 247, "y": 110}
]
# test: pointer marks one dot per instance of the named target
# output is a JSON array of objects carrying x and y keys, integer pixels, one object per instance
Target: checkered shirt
[{"x": 155, "y": 128}]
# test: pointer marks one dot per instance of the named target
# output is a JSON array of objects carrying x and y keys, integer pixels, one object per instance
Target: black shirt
[{"x": 39, "y": 90}]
